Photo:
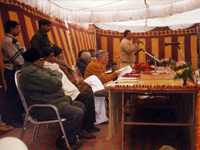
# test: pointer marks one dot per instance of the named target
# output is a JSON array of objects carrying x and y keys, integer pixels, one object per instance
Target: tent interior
[{"x": 99, "y": 24}]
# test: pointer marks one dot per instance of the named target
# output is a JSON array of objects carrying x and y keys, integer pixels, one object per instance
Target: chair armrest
[
  {"x": 46, "y": 105},
  {"x": 101, "y": 93}
]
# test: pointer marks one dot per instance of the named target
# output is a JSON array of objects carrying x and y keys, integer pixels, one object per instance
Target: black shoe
[
  {"x": 62, "y": 144},
  {"x": 85, "y": 135},
  {"x": 16, "y": 124},
  {"x": 77, "y": 143},
  {"x": 74, "y": 146},
  {"x": 94, "y": 129}
]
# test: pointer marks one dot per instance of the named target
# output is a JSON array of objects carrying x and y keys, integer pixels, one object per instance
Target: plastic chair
[{"x": 37, "y": 121}]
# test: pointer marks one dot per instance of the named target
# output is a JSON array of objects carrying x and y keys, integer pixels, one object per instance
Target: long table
[{"x": 162, "y": 84}]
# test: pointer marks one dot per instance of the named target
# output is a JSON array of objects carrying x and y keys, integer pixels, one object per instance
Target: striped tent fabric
[
  {"x": 76, "y": 38},
  {"x": 154, "y": 44},
  {"x": 28, "y": 19},
  {"x": 82, "y": 39}
]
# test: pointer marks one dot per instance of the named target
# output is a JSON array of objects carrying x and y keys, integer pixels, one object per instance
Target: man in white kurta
[
  {"x": 100, "y": 103},
  {"x": 94, "y": 82},
  {"x": 71, "y": 90}
]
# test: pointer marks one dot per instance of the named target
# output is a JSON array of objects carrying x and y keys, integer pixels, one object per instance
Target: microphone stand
[
  {"x": 154, "y": 57},
  {"x": 181, "y": 53}
]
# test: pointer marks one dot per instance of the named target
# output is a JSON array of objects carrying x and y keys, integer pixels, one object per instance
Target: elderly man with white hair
[
  {"x": 97, "y": 68},
  {"x": 83, "y": 62}
]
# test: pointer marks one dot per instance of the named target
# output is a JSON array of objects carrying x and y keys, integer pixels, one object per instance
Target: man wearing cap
[
  {"x": 12, "y": 52},
  {"x": 40, "y": 39},
  {"x": 86, "y": 97},
  {"x": 44, "y": 86}
]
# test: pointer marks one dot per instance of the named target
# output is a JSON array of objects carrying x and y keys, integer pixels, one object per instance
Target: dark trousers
[
  {"x": 74, "y": 113},
  {"x": 87, "y": 98},
  {"x": 13, "y": 104}
]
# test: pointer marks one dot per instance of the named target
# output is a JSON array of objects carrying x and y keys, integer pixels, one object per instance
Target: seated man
[
  {"x": 92, "y": 52},
  {"x": 70, "y": 89},
  {"x": 114, "y": 67},
  {"x": 97, "y": 68},
  {"x": 83, "y": 62},
  {"x": 43, "y": 86},
  {"x": 91, "y": 83},
  {"x": 79, "y": 53}
]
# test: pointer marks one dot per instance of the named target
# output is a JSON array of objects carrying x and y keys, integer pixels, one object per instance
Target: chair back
[
  {"x": 77, "y": 71},
  {"x": 36, "y": 121},
  {"x": 17, "y": 75}
]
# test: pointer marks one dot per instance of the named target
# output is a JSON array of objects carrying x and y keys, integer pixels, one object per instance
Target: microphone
[
  {"x": 138, "y": 51},
  {"x": 173, "y": 43}
]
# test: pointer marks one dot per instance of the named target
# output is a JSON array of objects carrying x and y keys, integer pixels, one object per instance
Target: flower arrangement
[
  {"x": 181, "y": 65},
  {"x": 165, "y": 61},
  {"x": 142, "y": 67},
  {"x": 173, "y": 64},
  {"x": 185, "y": 71}
]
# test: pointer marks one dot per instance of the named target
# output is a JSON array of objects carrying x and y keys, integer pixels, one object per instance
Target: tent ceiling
[
  {"x": 118, "y": 14},
  {"x": 109, "y": 5}
]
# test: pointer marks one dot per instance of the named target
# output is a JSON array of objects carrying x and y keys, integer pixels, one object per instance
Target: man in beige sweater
[{"x": 127, "y": 50}]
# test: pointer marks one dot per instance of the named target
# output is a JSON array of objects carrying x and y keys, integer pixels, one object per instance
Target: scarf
[{"x": 102, "y": 67}]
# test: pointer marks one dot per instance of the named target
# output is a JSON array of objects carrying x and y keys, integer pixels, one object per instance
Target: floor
[{"x": 136, "y": 137}]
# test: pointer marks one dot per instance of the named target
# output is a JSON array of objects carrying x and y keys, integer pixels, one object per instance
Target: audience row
[{"x": 46, "y": 78}]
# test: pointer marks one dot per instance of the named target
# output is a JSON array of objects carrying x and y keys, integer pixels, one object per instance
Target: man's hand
[{"x": 138, "y": 42}]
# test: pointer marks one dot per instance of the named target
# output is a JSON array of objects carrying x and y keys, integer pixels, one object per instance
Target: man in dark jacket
[
  {"x": 83, "y": 62},
  {"x": 44, "y": 86},
  {"x": 40, "y": 39}
]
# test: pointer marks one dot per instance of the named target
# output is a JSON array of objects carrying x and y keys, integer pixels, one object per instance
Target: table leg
[{"x": 123, "y": 117}]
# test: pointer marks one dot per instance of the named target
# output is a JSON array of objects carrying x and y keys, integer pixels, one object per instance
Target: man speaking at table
[{"x": 127, "y": 50}]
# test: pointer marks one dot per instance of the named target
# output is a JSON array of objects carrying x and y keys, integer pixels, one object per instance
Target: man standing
[
  {"x": 44, "y": 86},
  {"x": 12, "y": 58},
  {"x": 40, "y": 39},
  {"x": 126, "y": 50}
]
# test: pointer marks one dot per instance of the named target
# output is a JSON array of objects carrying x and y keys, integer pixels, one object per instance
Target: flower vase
[{"x": 165, "y": 67}]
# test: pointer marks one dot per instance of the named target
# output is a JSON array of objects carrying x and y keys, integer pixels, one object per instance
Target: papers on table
[
  {"x": 127, "y": 79},
  {"x": 124, "y": 70}
]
